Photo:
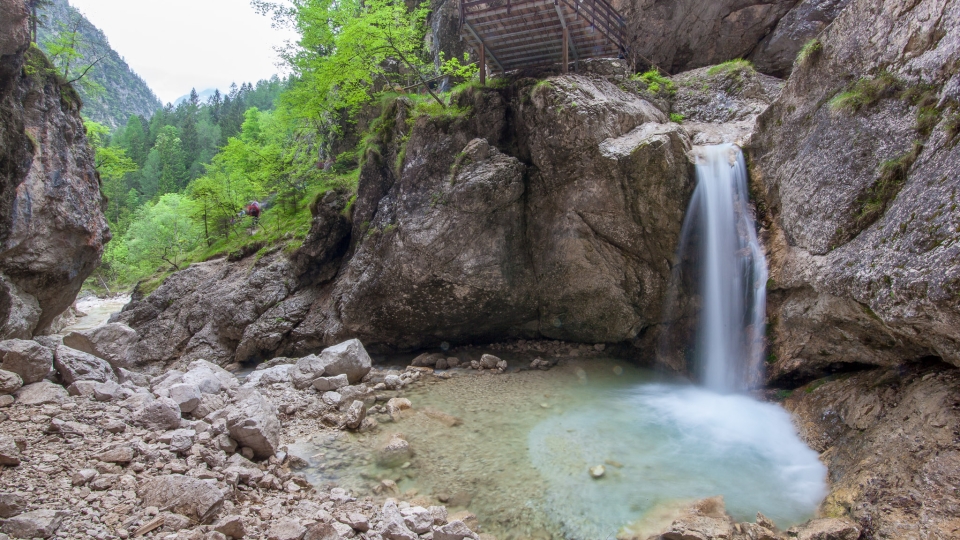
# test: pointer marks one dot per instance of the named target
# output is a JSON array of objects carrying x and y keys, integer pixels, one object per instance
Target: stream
[{"x": 97, "y": 311}]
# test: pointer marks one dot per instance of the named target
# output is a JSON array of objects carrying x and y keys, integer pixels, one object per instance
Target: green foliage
[
  {"x": 893, "y": 175},
  {"x": 161, "y": 233},
  {"x": 782, "y": 395},
  {"x": 809, "y": 52},
  {"x": 656, "y": 83},
  {"x": 676, "y": 117},
  {"x": 461, "y": 70},
  {"x": 349, "y": 50},
  {"x": 732, "y": 67},
  {"x": 866, "y": 92}
]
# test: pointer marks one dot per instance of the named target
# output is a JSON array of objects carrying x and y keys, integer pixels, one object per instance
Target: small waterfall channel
[{"x": 721, "y": 265}]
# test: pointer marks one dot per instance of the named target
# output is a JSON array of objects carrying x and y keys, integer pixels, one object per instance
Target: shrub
[
  {"x": 731, "y": 66},
  {"x": 656, "y": 83},
  {"x": 867, "y": 92},
  {"x": 809, "y": 52},
  {"x": 676, "y": 117}
]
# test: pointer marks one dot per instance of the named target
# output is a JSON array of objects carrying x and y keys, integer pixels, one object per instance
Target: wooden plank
[
  {"x": 566, "y": 50},
  {"x": 483, "y": 64}
]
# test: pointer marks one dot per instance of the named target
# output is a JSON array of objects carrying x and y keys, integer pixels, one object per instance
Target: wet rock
[
  {"x": 160, "y": 414},
  {"x": 348, "y": 358},
  {"x": 489, "y": 361},
  {"x": 231, "y": 526},
  {"x": 35, "y": 524},
  {"x": 193, "y": 498},
  {"x": 186, "y": 396},
  {"x": 286, "y": 529},
  {"x": 12, "y": 504},
  {"x": 74, "y": 365},
  {"x": 9, "y": 453},
  {"x": 354, "y": 415},
  {"x": 324, "y": 384},
  {"x": 455, "y": 530},
  {"x": 359, "y": 392},
  {"x": 395, "y": 452},
  {"x": 427, "y": 360},
  {"x": 10, "y": 382},
  {"x": 395, "y": 405},
  {"x": 41, "y": 393},
  {"x": 253, "y": 423},
  {"x": 111, "y": 342},
  {"x": 393, "y": 382},
  {"x": 446, "y": 419},
  {"x": 827, "y": 529}
]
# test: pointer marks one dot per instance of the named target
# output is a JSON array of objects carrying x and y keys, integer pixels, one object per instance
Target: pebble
[{"x": 597, "y": 471}]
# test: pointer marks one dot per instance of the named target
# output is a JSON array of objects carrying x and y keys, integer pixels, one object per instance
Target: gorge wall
[
  {"x": 52, "y": 227},
  {"x": 858, "y": 161}
]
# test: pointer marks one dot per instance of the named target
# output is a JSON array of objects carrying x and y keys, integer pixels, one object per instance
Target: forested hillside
[
  {"x": 179, "y": 182},
  {"x": 110, "y": 90}
]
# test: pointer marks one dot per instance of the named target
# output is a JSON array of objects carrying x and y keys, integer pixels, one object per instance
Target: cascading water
[{"x": 719, "y": 249}]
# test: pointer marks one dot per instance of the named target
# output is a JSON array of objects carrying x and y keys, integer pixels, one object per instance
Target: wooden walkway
[{"x": 517, "y": 34}]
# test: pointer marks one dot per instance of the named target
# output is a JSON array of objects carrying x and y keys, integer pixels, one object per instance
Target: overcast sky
[{"x": 176, "y": 45}]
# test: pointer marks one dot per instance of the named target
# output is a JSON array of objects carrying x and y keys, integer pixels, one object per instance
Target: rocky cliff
[
  {"x": 545, "y": 209},
  {"x": 859, "y": 164},
  {"x": 52, "y": 227}
]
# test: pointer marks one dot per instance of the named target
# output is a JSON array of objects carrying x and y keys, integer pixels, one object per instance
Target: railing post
[
  {"x": 483, "y": 64},
  {"x": 566, "y": 49}
]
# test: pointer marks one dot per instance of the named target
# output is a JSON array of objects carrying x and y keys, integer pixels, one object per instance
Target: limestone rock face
[
  {"x": 862, "y": 238},
  {"x": 53, "y": 228},
  {"x": 887, "y": 440},
  {"x": 777, "y": 52},
  {"x": 687, "y": 34}
]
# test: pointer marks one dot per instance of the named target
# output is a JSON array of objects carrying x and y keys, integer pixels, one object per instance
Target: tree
[
  {"x": 36, "y": 7},
  {"x": 350, "y": 48},
  {"x": 162, "y": 232},
  {"x": 73, "y": 57},
  {"x": 171, "y": 175}
]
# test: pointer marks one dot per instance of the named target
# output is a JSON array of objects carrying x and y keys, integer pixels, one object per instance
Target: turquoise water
[{"x": 520, "y": 459}]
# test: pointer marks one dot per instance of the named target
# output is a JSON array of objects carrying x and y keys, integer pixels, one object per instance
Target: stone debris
[{"x": 35, "y": 524}]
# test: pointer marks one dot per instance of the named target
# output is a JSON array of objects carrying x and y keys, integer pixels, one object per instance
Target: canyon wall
[{"x": 52, "y": 227}]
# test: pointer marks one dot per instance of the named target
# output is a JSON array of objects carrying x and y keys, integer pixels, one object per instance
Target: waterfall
[{"x": 725, "y": 270}]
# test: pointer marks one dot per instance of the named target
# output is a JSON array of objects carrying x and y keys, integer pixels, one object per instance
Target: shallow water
[
  {"x": 97, "y": 311},
  {"x": 520, "y": 459}
]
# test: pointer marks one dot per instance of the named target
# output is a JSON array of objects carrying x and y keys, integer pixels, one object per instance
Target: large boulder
[
  {"x": 41, "y": 392},
  {"x": 9, "y": 382},
  {"x": 26, "y": 358},
  {"x": 348, "y": 358},
  {"x": 857, "y": 163},
  {"x": 110, "y": 342},
  {"x": 74, "y": 365},
  {"x": 253, "y": 423},
  {"x": 159, "y": 414},
  {"x": 196, "y": 499}
]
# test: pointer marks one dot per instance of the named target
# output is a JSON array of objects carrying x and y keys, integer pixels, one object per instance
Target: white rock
[
  {"x": 41, "y": 393},
  {"x": 74, "y": 365},
  {"x": 161, "y": 413},
  {"x": 324, "y": 384},
  {"x": 253, "y": 423},
  {"x": 186, "y": 396},
  {"x": 111, "y": 342},
  {"x": 10, "y": 382},
  {"x": 26, "y": 358},
  {"x": 36, "y": 524},
  {"x": 417, "y": 518},
  {"x": 455, "y": 530},
  {"x": 196, "y": 499}
]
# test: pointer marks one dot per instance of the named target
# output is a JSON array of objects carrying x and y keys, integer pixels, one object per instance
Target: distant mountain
[
  {"x": 204, "y": 96},
  {"x": 123, "y": 92}
]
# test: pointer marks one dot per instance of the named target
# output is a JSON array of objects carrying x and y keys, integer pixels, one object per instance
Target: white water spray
[{"x": 733, "y": 272}]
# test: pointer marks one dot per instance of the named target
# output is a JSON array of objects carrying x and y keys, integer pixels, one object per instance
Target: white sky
[{"x": 176, "y": 45}]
